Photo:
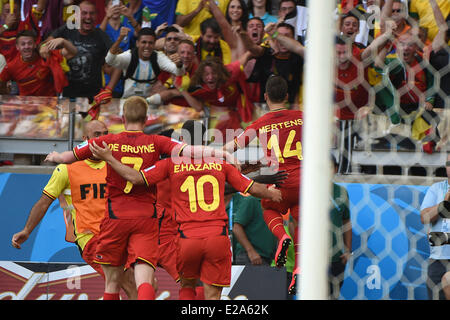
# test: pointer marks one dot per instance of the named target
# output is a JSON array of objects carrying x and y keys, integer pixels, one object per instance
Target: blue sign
[{"x": 389, "y": 243}]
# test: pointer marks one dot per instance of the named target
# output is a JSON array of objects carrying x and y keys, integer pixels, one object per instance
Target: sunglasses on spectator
[
  {"x": 172, "y": 39},
  {"x": 397, "y": 10}
]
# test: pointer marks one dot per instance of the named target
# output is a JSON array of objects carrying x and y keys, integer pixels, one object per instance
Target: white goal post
[{"x": 316, "y": 167}]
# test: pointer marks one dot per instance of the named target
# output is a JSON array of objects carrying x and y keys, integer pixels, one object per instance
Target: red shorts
[
  {"x": 88, "y": 255},
  {"x": 168, "y": 258},
  {"x": 207, "y": 259},
  {"x": 291, "y": 200},
  {"x": 123, "y": 241}
]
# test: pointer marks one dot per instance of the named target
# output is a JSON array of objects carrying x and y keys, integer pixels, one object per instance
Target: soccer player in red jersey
[
  {"x": 197, "y": 192},
  {"x": 130, "y": 227},
  {"x": 280, "y": 135}
]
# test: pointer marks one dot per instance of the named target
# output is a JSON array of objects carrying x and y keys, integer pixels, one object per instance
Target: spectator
[
  {"x": 209, "y": 43},
  {"x": 190, "y": 14},
  {"x": 222, "y": 88},
  {"x": 422, "y": 11},
  {"x": 255, "y": 244},
  {"x": 397, "y": 11},
  {"x": 256, "y": 68},
  {"x": 282, "y": 63},
  {"x": 237, "y": 13},
  {"x": 261, "y": 9},
  {"x": 35, "y": 75},
  {"x": 85, "y": 75},
  {"x": 349, "y": 28},
  {"x": 355, "y": 8},
  {"x": 409, "y": 83},
  {"x": 229, "y": 32},
  {"x": 169, "y": 43},
  {"x": 111, "y": 24},
  {"x": 352, "y": 91},
  {"x": 434, "y": 214},
  {"x": 186, "y": 52},
  {"x": 13, "y": 25},
  {"x": 52, "y": 17},
  {"x": 141, "y": 65},
  {"x": 286, "y": 8}
]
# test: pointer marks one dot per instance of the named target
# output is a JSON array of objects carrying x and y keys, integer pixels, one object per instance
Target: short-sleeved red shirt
[
  {"x": 33, "y": 78},
  {"x": 197, "y": 189},
  {"x": 280, "y": 136},
  {"x": 138, "y": 150}
]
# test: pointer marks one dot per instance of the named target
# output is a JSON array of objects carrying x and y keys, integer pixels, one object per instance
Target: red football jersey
[
  {"x": 350, "y": 90},
  {"x": 33, "y": 78},
  {"x": 138, "y": 150},
  {"x": 197, "y": 192},
  {"x": 280, "y": 136},
  {"x": 167, "y": 226}
]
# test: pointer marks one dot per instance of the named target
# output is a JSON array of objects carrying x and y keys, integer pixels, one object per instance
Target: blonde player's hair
[{"x": 135, "y": 109}]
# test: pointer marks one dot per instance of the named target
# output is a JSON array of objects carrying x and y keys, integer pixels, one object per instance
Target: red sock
[
  {"x": 146, "y": 292},
  {"x": 200, "y": 293},
  {"x": 187, "y": 294},
  {"x": 274, "y": 222},
  {"x": 111, "y": 296}
]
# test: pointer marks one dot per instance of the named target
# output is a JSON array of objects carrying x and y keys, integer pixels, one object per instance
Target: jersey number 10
[{"x": 197, "y": 195}]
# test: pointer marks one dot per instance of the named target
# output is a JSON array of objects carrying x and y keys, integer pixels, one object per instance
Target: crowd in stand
[{"x": 392, "y": 57}]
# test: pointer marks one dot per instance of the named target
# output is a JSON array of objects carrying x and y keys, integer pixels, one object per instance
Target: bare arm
[
  {"x": 373, "y": 49},
  {"x": 36, "y": 214},
  {"x": 115, "y": 48},
  {"x": 225, "y": 26},
  {"x": 184, "y": 20},
  {"x": 206, "y": 151},
  {"x": 439, "y": 40},
  {"x": 68, "y": 49},
  {"x": 429, "y": 215},
  {"x": 261, "y": 191},
  {"x": 291, "y": 44},
  {"x": 347, "y": 235},
  {"x": 193, "y": 102},
  {"x": 386, "y": 13},
  {"x": 239, "y": 233},
  {"x": 63, "y": 157}
]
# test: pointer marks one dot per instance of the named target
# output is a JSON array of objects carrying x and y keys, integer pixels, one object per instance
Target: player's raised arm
[
  {"x": 126, "y": 172},
  {"x": 196, "y": 151}
]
